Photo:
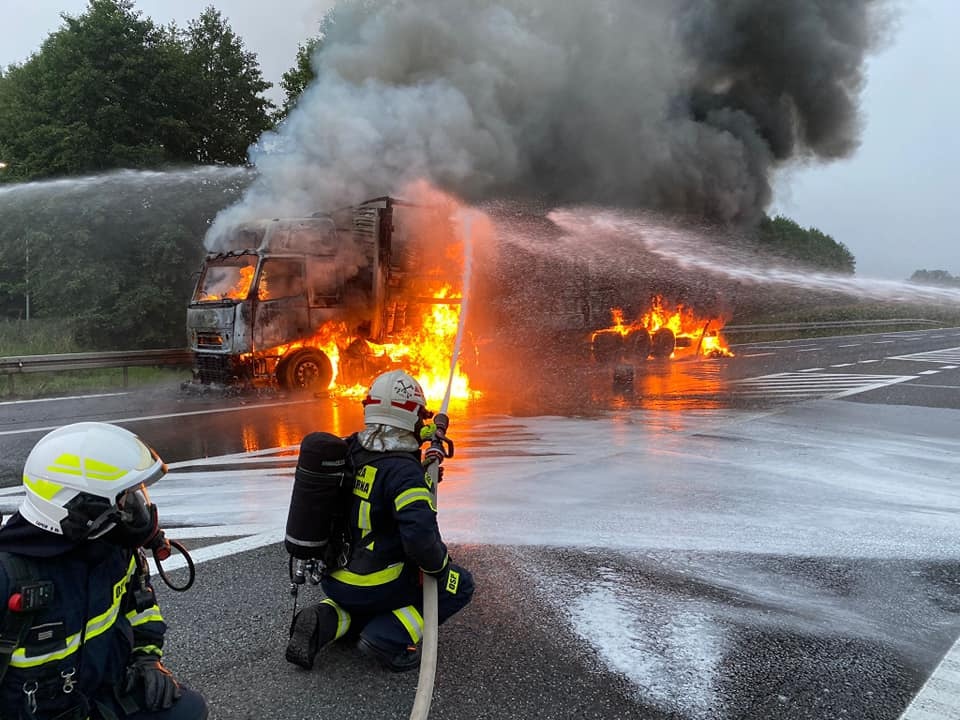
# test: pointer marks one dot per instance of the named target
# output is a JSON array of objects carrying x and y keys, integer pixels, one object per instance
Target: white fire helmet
[
  {"x": 75, "y": 475},
  {"x": 395, "y": 398}
]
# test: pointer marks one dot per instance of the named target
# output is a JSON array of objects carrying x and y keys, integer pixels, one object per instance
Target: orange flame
[
  {"x": 689, "y": 329},
  {"x": 240, "y": 289}
]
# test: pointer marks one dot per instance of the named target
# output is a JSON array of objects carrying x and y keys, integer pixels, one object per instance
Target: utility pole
[{"x": 26, "y": 279}]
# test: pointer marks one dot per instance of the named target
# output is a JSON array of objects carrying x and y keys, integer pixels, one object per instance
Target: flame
[
  {"x": 240, "y": 289},
  {"x": 424, "y": 345},
  {"x": 690, "y": 329}
]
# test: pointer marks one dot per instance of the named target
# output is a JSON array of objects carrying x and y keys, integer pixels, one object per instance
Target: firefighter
[
  {"x": 82, "y": 636},
  {"x": 378, "y": 595}
]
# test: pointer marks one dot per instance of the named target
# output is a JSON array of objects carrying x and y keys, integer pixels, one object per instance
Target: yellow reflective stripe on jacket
[
  {"x": 363, "y": 517},
  {"x": 414, "y": 495},
  {"x": 151, "y": 614},
  {"x": 381, "y": 577},
  {"x": 412, "y": 620},
  {"x": 95, "y": 626}
]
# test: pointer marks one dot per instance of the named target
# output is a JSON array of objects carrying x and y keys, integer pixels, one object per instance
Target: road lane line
[
  {"x": 69, "y": 397},
  {"x": 940, "y": 695},
  {"x": 166, "y": 416},
  {"x": 215, "y": 552}
]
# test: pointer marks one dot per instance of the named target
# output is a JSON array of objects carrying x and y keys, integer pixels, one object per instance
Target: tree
[
  {"x": 935, "y": 277},
  {"x": 347, "y": 17},
  {"x": 88, "y": 100},
  {"x": 226, "y": 90},
  {"x": 295, "y": 80},
  {"x": 112, "y": 90},
  {"x": 809, "y": 247}
]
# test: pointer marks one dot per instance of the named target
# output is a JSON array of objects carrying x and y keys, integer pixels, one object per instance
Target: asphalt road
[{"x": 720, "y": 582}]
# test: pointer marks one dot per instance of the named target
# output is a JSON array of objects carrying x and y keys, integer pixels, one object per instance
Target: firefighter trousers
[{"x": 390, "y": 616}]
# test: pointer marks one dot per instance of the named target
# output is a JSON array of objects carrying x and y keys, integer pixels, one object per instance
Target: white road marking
[
  {"x": 842, "y": 365},
  {"x": 883, "y": 342},
  {"x": 867, "y": 362},
  {"x": 166, "y": 416},
  {"x": 815, "y": 349},
  {"x": 853, "y": 345},
  {"x": 757, "y": 355},
  {"x": 950, "y": 367},
  {"x": 806, "y": 370},
  {"x": 214, "y": 552},
  {"x": 58, "y": 399},
  {"x": 794, "y": 385},
  {"x": 947, "y": 355},
  {"x": 928, "y": 372},
  {"x": 939, "y": 698}
]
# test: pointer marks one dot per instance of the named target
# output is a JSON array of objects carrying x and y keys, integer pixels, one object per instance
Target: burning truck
[
  {"x": 329, "y": 301},
  {"x": 335, "y": 297}
]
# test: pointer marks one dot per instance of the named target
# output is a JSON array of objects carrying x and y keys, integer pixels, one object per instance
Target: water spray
[
  {"x": 689, "y": 249},
  {"x": 440, "y": 448}
]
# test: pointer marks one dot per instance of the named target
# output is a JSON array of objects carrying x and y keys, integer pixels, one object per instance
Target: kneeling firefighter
[
  {"x": 81, "y": 636},
  {"x": 370, "y": 569}
]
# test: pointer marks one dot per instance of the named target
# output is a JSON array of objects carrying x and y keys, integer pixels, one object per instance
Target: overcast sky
[{"x": 891, "y": 203}]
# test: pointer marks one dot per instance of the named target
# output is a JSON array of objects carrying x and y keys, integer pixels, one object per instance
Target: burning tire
[
  {"x": 638, "y": 342},
  {"x": 607, "y": 346},
  {"x": 306, "y": 370},
  {"x": 663, "y": 343}
]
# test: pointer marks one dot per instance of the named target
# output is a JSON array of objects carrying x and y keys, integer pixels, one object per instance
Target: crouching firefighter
[
  {"x": 81, "y": 636},
  {"x": 363, "y": 522}
]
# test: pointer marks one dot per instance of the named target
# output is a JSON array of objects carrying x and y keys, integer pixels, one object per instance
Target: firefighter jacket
[
  {"x": 78, "y": 646},
  {"x": 392, "y": 520}
]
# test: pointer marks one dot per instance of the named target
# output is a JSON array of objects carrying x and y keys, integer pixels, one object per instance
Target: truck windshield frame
[{"x": 225, "y": 279}]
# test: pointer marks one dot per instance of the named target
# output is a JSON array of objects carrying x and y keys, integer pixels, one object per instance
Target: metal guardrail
[
  {"x": 12, "y": 366},
  {"x": 735, "y": 329}
]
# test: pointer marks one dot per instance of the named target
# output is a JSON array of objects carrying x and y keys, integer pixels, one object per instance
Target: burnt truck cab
[{"x": 256, "y": 310}]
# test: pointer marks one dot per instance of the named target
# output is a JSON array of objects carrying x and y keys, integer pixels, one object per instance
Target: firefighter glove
[
  {"x": 146, "y": 673},
  {"x": 427, "y": 432}
]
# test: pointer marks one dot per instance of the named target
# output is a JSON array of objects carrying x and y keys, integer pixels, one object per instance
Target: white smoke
[{"x": 683, "y": 105}]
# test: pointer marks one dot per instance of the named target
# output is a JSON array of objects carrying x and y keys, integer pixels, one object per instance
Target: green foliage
[
  {"x": 342, "y": 23},
  {"x": 295, "y": 80},
  {"x": 110, "y": 90},
  {"x": 226, "y": 89},
  {"x": 935, "y": 277},
  {"x": 809, "y": 248},
  {"x": 116, "y": 256}
]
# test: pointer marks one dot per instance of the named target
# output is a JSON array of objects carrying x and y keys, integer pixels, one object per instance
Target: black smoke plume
[{"x": 684, "y": 106}]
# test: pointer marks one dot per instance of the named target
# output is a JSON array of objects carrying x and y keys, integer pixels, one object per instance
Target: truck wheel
[
  {"x": 607, "y": 346},
  {"x": 306, "y": 370},
  {"x": 663, "y": 343},
  {"x": 638, "y": 341}
]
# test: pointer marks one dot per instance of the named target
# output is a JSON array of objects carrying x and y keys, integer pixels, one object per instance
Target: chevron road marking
[
  {"x": 794, "y": 385},
  {"x": 947, "y": 355}
]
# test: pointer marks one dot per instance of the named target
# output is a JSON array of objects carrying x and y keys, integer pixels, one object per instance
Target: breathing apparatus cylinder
[{"x": 318, "y": 486}]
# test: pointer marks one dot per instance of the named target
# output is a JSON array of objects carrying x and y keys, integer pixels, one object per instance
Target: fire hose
[{"x": 439, "y": 448}]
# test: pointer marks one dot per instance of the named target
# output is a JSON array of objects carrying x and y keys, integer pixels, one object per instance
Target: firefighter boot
[
  {"x": 397, "y": 660},
  {"x": 312, "y": 629}
]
